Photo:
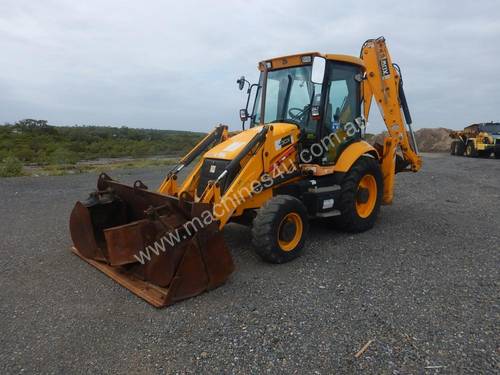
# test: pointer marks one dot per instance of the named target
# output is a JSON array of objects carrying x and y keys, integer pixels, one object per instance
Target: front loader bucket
[{"x": 156, "y": 246}]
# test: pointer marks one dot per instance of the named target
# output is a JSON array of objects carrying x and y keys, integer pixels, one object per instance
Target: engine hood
[{"x": 230, "y": 148}]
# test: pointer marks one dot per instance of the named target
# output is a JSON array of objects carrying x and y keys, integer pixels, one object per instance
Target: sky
[{"x": 174, "y": 65}]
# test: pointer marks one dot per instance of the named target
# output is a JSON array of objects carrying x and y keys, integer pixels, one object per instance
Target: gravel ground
[{"x": 423, "y": 285}]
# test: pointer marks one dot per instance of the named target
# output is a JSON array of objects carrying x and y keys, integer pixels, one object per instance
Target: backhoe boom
[{"x": 384, "y": 83}]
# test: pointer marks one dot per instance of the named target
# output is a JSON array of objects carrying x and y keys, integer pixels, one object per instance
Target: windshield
[
  {"x": 491, "y": 128},
  {"x": 288, "y": 96}
]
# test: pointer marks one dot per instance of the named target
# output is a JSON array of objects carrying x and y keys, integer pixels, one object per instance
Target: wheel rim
[
  {"x": 290, "y": 231},
  {"x": 366, "y": 196}
]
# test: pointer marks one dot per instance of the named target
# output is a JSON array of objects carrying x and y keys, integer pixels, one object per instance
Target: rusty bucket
[{"x": 154, "y": 245}]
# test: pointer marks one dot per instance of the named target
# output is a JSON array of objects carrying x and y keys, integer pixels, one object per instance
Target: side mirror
[
  {"x": 243, "y": 114},
  {"x": 318, "y": 70},
  {"x": 241, "y": 82}
]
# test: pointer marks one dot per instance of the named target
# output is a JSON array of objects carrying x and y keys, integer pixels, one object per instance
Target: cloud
[{"x": 173, "y": 65}]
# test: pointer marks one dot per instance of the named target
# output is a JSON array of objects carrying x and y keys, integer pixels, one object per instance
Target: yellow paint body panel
[
  {"x": 345, "y": 58},
  {"x": 296, "y": 60},
  {"x": 288, "y": 61},
  {"x": 230, "y": 148},
  {"x": 352, "y": 153},
  {"x": 388, "y": 169},
  {"x": 240, "y": 196}
]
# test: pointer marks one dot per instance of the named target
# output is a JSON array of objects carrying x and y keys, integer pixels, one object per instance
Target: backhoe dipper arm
[{"x": 384, "y": 83}]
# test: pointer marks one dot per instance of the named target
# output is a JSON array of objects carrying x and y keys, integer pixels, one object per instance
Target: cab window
[
  {"x": 288, "y": 98},
  {"x": 342, "y": 104}
]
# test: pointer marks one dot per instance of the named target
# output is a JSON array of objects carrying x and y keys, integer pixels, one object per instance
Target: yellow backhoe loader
[{"x": 303, "y": 156}]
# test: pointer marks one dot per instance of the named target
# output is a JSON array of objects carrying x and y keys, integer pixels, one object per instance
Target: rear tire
[
  {"x": 453, "y": 148},
  {"x": 280, "y": 228},
  {"x": 484, "y": 154},
  {"x": 497, "y": 155},
  {"x": 361, "y": 196}
]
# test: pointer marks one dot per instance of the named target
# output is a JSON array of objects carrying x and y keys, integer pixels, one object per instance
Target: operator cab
[
  {"x": 490, "y": 127},
  {"x": 321, "y": 94}
]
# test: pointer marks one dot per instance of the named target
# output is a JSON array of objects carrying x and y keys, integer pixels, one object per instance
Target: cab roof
[{"x": 306, "y": 59}]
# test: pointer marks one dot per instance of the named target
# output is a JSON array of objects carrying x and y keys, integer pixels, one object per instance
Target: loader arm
[{"x": 169, "y": 184}]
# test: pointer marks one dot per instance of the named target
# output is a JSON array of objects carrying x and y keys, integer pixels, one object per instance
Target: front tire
[
  {"x": 361, "y": 196},
  {"x": 470, "y": 150},
  {"x": 279, "y": 229}
]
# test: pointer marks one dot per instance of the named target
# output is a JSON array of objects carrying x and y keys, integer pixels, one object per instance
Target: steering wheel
[{"x": 299, "y": 113}]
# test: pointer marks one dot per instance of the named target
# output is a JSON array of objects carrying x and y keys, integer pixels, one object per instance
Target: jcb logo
[
  {"x": 384, "y": 67},
  {"x": 285, "y": 141}
]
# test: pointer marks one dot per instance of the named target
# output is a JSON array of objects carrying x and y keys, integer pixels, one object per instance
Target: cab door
[{"x": 342, "y": 107}]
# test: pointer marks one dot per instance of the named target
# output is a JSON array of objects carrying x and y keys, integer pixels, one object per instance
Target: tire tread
[{"x": 264, "y": 229}]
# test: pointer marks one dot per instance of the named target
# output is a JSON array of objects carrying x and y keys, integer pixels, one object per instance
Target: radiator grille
[{"x": 210, "y": 170}]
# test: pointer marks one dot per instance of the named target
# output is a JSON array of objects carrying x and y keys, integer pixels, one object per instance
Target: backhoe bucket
[{"x": 157, "y": 246}]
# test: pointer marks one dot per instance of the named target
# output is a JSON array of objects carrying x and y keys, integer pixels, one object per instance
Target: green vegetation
[
  {"x": 62, "y": 169},
  {"x": 10, "y": 167},
  {"x": 35, "y": 142},
  {"x": 55, "y": 150}
]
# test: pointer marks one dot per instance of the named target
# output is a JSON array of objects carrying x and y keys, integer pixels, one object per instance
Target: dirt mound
[
  {"x": 433, "y": 140},
  {"x": 428, "y": 139}
]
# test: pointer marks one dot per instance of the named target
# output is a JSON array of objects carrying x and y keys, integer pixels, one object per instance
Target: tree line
[{"x": 33, "y": 141}]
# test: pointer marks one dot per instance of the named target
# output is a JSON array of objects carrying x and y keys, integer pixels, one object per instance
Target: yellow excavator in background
[{"x": 303, "y": 156}]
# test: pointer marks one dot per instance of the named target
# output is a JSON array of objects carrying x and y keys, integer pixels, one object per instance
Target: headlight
[{"x": 306, "y": 59}]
